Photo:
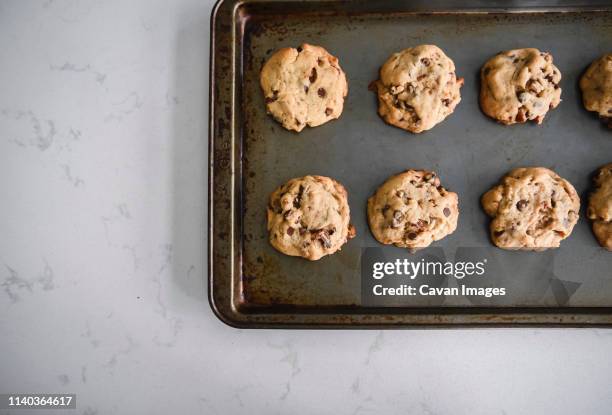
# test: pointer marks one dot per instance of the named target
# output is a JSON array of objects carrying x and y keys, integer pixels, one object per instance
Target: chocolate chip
[
  {"x": 544, "y": 222},
  {"x": 412, "y": 236},
  {"x": 446, "y": 102},
  {"x": 420, "y": 225},
  {"x": 322, "y": 236},
  {"x": 313, "y": 75},
  {"x": 320, "y": 62},
  {"x": 446, "y": 212},
  {"x": 521, "y": 204},
  {"x": 290, "y": 231},
  {"x": 298, "y": 199},
  {"x": 397, "y": 219},
  {"x": 299, "y": 49},
  {"x": 306, "y": 88},
  {"x": 499, "y": 233},
  {"x": 402, "y": 195},
  {"x": 303, "y": 231},
  {"x": 322, "y": 92},
  {"x": 328, "y": 111},
  {"x": 270, "y": 99},
  {"x": 531, "y": 85},
  {"x": 425, "y": 61}
]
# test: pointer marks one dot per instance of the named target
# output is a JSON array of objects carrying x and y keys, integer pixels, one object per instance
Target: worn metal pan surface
[{"x": 252, "y": 285}]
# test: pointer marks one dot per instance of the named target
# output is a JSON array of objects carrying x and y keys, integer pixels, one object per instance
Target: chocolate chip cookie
[
  {"x": 600, "y": 206},
  {"x": 519, "y": 85},
  {"x": 309, "y": 217},
  {"x": 417, "y": 88},
  {"x": 596, "y": 86},
  {"x": 412, "y": 209},
  {"x": 303, "y": 87},
  {"x": 532, "y": 209}
]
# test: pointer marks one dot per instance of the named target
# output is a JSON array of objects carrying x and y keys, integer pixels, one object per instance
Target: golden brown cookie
[
  {"x": 417, "y": 88},
  {"x": 532, "y": 209},
  {"x": 412, "y": 209},
  {"x": 596, "y": 86},
  {"x": 600, "y": 206},
  {"x": 303, "y": 87},
  {"x": 519, "y": 85},
  {"x": 309, "y": 217}
]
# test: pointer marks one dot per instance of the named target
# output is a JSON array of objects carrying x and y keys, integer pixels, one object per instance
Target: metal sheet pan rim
[{"x": 224, "y": 306}]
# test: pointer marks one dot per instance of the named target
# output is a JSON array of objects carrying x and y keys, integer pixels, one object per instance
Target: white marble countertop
[{"x": 103, "y": 142}]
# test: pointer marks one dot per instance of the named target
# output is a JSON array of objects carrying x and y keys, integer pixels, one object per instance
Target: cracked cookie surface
[
  {"x": 412, "y": 209},
  {"x": 600, "y": 206},
  {"x": 417, "y": 88},
  {"x": 309, "y": 217},
  {"x": 303, "y": 86},
  {"x": 596, "y": 86},
  {"x": 519, "y": 85},
  {"x": 532, "y": 209}
]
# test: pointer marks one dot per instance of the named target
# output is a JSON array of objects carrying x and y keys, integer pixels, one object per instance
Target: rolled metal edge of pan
[{"x": 223, "y": 222}]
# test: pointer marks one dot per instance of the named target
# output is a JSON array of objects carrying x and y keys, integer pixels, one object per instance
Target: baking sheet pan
[{"x": 252, "y": 285}]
